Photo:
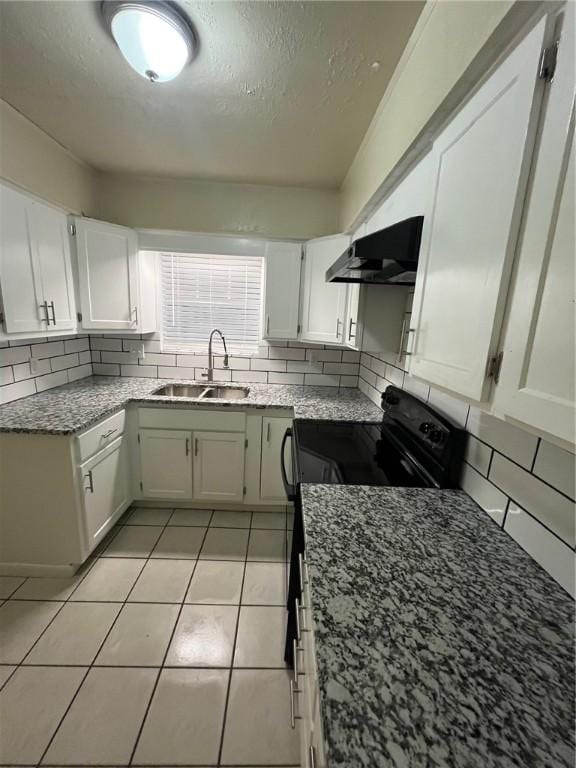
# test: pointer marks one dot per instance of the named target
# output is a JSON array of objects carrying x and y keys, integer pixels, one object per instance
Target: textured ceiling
[{"x": 280, "y": 93}]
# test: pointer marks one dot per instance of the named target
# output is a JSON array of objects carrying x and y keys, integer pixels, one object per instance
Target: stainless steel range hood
[{"x": 389, "y": 256}]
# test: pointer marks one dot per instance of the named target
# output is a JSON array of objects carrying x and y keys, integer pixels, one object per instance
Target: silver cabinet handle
[
  {"x": 295, "y": 654},
  {"x": 90, "y": 486},
  {"x": 403, "y": 333},
  {"x": 338, "y": 324},
  {"x": 135, "y": 313},
  {"x": 350, "y": 334},
  {"x": 300, "y": 572},
  {"x": 268, "y": 433},
  {"x": 293, "y": 690},
  {"x": 267, "y": 325},
  {"x": 107, "y": 434},
  {"x": 298, "y": 633},
  {"x": 196, "y": 446},
  {"x": 46, "y": 319},
  {"x": 311, "y": 757},
  {"x": 187, "y": 446},
  {"x": 53, "y": 312}
]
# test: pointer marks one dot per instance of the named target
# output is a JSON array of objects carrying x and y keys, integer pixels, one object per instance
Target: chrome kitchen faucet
[{"x": 210, "y": 370}]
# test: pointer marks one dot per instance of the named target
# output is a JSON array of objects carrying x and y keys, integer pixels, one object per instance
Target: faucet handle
[{"x": 204, "y": 375}]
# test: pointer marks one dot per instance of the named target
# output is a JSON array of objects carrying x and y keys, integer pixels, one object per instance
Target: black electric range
[{"x": 413, "y": 446}]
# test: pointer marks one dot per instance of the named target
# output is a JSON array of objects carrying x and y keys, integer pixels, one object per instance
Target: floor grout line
[
  {"x": 100, "y": 555},
  {"x": 227, "y": 699},
  {"x": 182, "y": 604},
  {"x": 92, "y": 664}
]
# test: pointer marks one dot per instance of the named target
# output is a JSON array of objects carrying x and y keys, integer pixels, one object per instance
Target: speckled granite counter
[
  {"x": 439, "y": 641},
  {"x": 73, "y": 407}
]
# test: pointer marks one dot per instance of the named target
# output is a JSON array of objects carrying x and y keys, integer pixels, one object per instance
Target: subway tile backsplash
[
  {"x": 28, "y": 367},
  {"x": 523, "y": 482},
  {"x": 275, "y": 362}
]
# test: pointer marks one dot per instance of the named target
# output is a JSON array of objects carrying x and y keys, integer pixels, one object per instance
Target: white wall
[
  {"x": 30, "y": 159},
  {"x": 452, "y": 46},
  {"x": 210, "y": 206},
  {"x": 36, "y": 163}
]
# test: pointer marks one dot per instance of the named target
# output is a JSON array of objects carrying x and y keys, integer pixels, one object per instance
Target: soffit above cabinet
[{"x": 280, "y": 92}]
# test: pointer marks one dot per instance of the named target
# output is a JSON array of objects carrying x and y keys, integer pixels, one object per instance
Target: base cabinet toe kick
[{"x": 61, "y": 494}]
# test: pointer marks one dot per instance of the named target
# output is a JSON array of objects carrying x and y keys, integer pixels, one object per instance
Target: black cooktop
[{"x": 413, "y": 447}]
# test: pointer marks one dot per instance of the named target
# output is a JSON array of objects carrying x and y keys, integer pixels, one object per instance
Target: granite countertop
[
  {"x": 73, "y": 407},
  {"x": 439, "y": 641}
]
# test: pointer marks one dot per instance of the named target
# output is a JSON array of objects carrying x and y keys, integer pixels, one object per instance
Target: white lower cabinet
[
  {"x": 165, "y": 463},
  {"x": 219, "y": 466},
  {"x": 271, "y": 483},
  {"x": 60, "y": 495},
  {"x": 105, "y": 481},
  {"x": 312, "y": 749}
]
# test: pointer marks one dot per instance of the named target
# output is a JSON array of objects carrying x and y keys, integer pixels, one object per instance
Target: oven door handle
[{"x": 288, "y": 487}]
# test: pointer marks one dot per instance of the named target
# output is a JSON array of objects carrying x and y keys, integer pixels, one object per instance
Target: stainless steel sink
[
  {"x": 226, "y": 393},
  {"x": 181, "y": 390},
  {"x": 203, "y": 391}
]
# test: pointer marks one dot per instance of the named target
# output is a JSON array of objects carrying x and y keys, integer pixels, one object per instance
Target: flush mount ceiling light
[{"x": 155, "y": 38}]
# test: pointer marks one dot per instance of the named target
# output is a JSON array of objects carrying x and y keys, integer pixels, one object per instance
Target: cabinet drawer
[
  {"x": 98, "y": 437},
  {"x": 180, "y": 418}
]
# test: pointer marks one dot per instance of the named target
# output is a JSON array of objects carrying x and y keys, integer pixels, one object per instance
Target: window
[{"x": 200, "y": 292}]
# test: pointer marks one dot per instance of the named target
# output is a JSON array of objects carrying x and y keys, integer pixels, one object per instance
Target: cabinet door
[
  {"x": 536, "y": 382},
  {"x": 323, "y": 304},
  {"x": 108, "y": 275},
  {"x": 481, "y": 165},
  {"x": 219, "y": 466},
  {"x": 106, "y": 490},
  {"x": 166, "y": 463},
  {"x": 19, "y": 274},
  {"x": 51, "y": 242},
  {"x": 271, "y": 485},
  {"x": 283, "y": 262}
]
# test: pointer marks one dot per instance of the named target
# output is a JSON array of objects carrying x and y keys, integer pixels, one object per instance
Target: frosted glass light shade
[{"x": 152, "y": 37}]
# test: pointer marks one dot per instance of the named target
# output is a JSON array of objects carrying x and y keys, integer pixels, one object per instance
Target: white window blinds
[{"x": 201, "y": 292}]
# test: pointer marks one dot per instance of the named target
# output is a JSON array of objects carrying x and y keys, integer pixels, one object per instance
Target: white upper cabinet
[
  {"x": 481, "y": 165},
  {"x": 282, "y": 295},
  {"x": 113, "y": 278},
  {"x": 50, "y": 237},
  {"x": 536, "y": 384},
  {"x": 323, "y": 307},
  {"x": 35, "y": 268}
]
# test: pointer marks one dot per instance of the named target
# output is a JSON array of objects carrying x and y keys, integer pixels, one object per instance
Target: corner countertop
[
  {"x": 439, "y": 641},
  {"x": 73, "y": 407}
]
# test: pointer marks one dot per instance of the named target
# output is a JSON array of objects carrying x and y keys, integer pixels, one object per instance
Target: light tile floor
[{"x": 165, "y": 650}]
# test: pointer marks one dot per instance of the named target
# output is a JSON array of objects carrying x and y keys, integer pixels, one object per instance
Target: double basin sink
[{"x": 202, "y": 391}]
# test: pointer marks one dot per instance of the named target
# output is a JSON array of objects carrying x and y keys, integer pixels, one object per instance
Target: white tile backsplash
[
  {"x": 557, "y": 467},
  {"x": 553, "y": 509},
  {"x": 516, "y": 443},
  {"x": 545, "y": 548},
  {"x": 455, "y": 409},
  {"x": 478, "y": 455},
  {"x": 485, "y": 494},
  {"x": 506, "y": 468},
  {"x": 31, "y": 366}
]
